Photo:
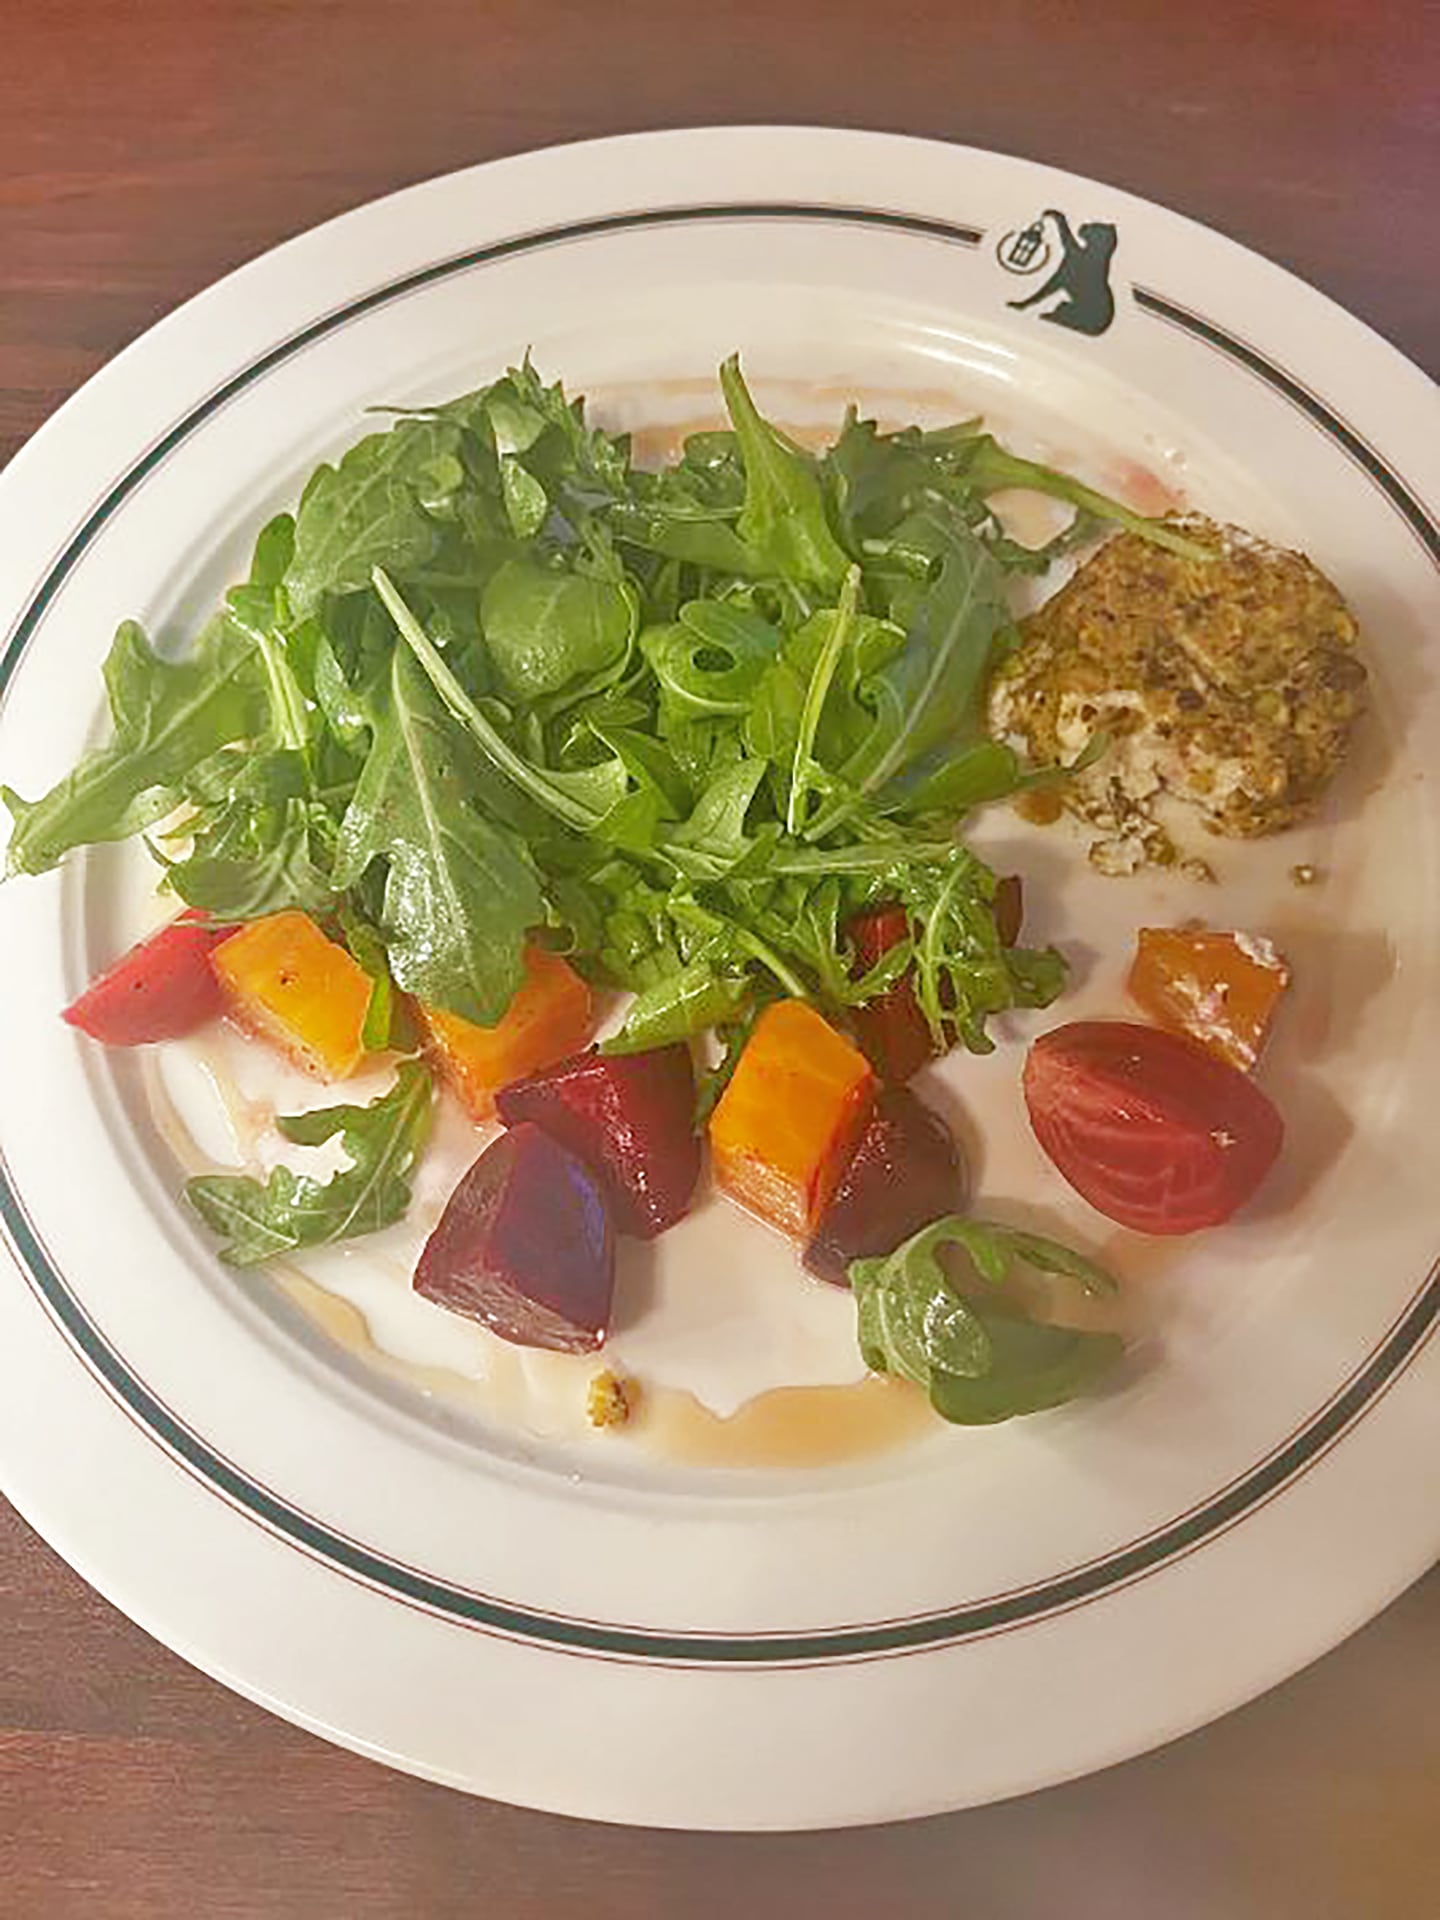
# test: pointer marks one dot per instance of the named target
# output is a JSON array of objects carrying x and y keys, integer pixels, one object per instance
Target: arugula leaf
[
  {"x": 978, "y": 1362},
  {"x": 1034, "y": 1366},
  {"x": 388, "y": 1021},
  {"x": 380, "y": 507},
  {"x": 589, "y": 460},
  {"x": 258, "y": 858},
  {"x": 783, "y": 520},
  {"x": 705, "y": 992},
  {"x": 167, "y": 716},
  {"x": 963, "y": 972},
  {"x": 990, "y": 467},
  {"x": 930, "y": 691},
  {"x": 651, "y": 765},
  {"x": 716, "y": 828},
  {"x": 547, "y": 627},
  {"x": 804, "y": 769},
  {"x": 460, "y": 891},
  {"x": 260, "y": 1220},
  {"x": 535, "y": 783},
  {"x": 710, "y": 661},
  {"x": 701, "y": 539},
  {"x": 772, "y": 726}
]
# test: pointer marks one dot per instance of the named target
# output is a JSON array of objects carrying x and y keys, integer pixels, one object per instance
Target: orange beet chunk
[
  {"x": 1220, "y": 988},
  {"x": 550, "y": 1017},
  {"x": 285, "y": 980},
  {"x": 788, "y": 1122}
]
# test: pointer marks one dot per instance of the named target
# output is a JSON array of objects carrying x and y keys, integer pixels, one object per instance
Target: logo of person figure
[{"x": 1082, "y": 279}]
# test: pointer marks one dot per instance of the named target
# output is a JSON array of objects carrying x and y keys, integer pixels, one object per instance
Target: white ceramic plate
[{"x": 450, "y": 1574}]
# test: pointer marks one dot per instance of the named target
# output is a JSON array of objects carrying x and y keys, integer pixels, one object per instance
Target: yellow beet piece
[
  {"x": 790, "y": 1118},
  {"x": 284, "y": 979},
  {"x": 551, "y": 1016}
]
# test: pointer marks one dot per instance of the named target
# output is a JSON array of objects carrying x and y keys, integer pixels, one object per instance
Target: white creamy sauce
[{"x": 719, "y": 1308}]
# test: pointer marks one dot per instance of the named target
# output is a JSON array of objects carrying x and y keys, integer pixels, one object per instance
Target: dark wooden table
[{"x": 144, "y": 149}]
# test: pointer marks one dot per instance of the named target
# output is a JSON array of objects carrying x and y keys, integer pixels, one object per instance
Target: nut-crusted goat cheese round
[{"x": 1232, "y": 683}]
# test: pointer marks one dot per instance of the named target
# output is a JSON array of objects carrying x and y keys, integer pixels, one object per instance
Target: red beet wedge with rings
[{"x": 1150, "y": 1128}]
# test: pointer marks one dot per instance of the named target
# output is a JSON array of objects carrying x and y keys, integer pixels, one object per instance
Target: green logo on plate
[{"x": 1080, "y": 282}]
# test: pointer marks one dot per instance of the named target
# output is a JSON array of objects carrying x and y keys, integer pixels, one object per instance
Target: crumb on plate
[{"x": 611, "y": 1401}]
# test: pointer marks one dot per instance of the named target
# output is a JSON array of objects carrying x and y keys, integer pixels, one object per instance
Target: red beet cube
[
  {"x": 524, "y": 1246},
  {"x": 1009, "y": 908},
  {"x": 893, "y": 1033},
  {"x": 905, "y": 1173},
  {"x": 631, "y": 1119}
]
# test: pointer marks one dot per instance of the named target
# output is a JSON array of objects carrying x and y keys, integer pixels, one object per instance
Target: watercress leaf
[
  {"x": 547, "y": 627},
  {"x": 167, "y": 717},
  {"x": 783, "y": 519},
  {"x": 460, "y": 890},
  {"x": 377, "y": 508},
  {"x": 260, "y": 1220}
]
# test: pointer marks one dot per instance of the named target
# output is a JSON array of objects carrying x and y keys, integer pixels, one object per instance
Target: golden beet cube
[
  {"x": 788, "y": 1122},
  {"x": 1220, "y": 988},
  {"x": 550, "y": 1017},
  {"x": 286, "y": 981}
]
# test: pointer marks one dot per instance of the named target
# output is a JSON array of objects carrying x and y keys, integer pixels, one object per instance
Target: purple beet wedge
[
  {"x": 905, "y": 1173},
  {"x": 524, "y": 1246},
  {"x": 631, "y": 1118}
]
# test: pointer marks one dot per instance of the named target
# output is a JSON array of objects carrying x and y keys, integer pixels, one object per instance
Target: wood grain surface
[{"x": 147, "y": 147}]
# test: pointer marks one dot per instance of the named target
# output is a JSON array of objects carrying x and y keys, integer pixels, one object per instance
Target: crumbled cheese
[{"x": 1257, "y": 949}]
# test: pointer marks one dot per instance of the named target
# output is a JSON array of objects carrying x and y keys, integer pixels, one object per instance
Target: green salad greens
[
  {"x": 492, "y": 682},
  {"x": 492, "y": 679}
]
